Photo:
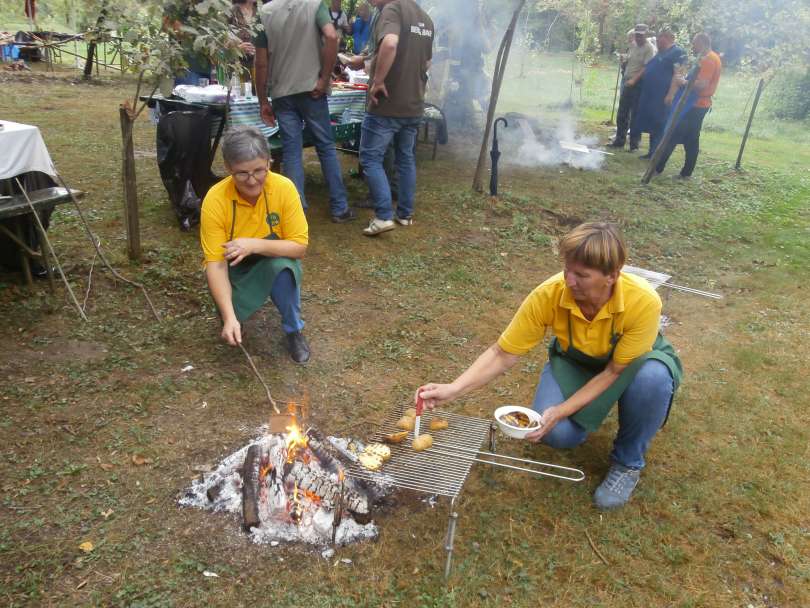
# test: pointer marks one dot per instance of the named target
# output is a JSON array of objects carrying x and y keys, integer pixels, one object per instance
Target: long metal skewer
[
  {"x": 580, "y": 475},
  {"x": 697, "y": 292}
]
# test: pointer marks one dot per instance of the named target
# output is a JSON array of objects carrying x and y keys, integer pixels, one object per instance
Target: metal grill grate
[{"x": 432, "y": 471}]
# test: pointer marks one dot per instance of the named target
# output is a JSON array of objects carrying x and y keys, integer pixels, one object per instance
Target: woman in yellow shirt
[
  {"x": 606, "y": 348},
  {"x": 254, "y": 233}
]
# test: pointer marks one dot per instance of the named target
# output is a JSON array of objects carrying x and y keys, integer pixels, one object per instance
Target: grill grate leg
[{"x": 450, "y": 538}]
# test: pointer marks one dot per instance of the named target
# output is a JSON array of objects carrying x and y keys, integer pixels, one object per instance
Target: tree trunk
[
  {"x": 88, "y": 64},
  {"x": 131, "y": 219},
  {"x": 91, "y": 47}
]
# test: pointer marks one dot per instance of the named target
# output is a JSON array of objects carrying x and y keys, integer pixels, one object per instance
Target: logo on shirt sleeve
[{"x": 273, "y": 219}]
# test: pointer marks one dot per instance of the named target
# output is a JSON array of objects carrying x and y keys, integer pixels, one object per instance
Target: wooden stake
[
  {"x": 131, "y": 219},
  {"x": 46, "y": 242},
  {"x": 760, "y": 86},
  {"x": 500, "y": 69},
  {"x": 668, "y": 133}
]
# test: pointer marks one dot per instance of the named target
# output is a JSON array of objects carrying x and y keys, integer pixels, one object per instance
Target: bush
[{"x": 788, "y": 94}]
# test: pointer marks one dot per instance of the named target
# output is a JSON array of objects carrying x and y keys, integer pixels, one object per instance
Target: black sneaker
[
  {"x": 348, "y": 216},
  {"x": 616, "y": 144},
  {"x": 297, "y": 347}
]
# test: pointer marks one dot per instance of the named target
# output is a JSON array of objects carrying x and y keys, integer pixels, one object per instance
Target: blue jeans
[
  {"x": 286, "y": 295},
  {"x": 643, "y": 409},
  {"x": 293, "y": 110},
  {"x": 377, "y": 134}
]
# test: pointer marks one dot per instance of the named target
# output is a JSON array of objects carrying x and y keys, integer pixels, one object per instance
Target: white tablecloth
[{"x": 22, "y": 149}]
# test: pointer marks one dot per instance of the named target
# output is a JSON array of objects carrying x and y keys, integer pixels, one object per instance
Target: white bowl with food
[{"x": 517, "y": 421}]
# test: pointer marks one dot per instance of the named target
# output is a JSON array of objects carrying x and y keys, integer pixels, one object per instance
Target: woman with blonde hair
[{"x": 606, "y": 348}]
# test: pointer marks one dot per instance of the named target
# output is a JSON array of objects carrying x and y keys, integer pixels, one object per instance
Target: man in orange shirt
[{"x": 687, "y": 131}]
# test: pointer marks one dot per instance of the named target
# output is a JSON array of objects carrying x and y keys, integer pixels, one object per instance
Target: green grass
[{"x": 719, "y": 519}]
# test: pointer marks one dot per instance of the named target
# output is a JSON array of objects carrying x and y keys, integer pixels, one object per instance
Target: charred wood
[
  {"x": 250, "y": 488},
  {"x": 325, "y": 488}
]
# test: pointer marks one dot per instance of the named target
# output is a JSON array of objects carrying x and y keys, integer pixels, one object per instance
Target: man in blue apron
[
  {"x": 254, "y": 233},
  {"x": 606, "y": 348},
  {"x": 657, "y": 82}
]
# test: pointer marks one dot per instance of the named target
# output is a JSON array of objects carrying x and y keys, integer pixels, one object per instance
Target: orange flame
[
  {"x": 265, "y": 470},
  {"x": 296, "y": 441}
]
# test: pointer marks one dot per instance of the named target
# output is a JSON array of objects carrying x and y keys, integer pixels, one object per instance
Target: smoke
[
  {"x": 460, "y": 84},
  {"x": 525, "y": 143}
]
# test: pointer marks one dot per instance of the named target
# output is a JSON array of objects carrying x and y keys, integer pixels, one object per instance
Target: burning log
[
  {"x": 250, "y": 488},
  {"x": 322, "y": 486},
  {"x": 330, "y": 458}
]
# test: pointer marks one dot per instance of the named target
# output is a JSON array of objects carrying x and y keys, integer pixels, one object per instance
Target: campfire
[
  {"x": 296, "y": 486},
  {"x": 292, "y": 487}
]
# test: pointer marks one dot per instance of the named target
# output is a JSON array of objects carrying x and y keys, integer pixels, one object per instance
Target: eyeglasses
[{"x": 244, "y": 176}]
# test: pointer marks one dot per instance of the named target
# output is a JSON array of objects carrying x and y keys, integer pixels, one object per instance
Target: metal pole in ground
[{"x": 760, "y": 86}]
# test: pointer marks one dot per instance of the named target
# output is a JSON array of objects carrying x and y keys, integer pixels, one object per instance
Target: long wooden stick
[
  {"x": 500, "y": 69},
  {"x": 100, "y": 253},
  {"x": 261, "y": 379},
  {"x": 595, "y": 550},
  {"x": 47, "y": 242},
  {"x": 659, "y": 151},
  {"x": 615, "y": 93},
  {"x": 760, "y": 86}
]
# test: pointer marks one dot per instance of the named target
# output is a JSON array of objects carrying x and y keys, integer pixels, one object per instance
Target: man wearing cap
[{"x": 639, "y": 54}]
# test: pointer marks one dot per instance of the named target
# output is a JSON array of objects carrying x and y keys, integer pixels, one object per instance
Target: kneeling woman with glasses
[{"x": 254, "y": 233}]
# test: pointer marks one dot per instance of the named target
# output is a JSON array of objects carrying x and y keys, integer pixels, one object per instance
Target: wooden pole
[
  {"x": 131, "y": 219},
  {"x": 760, "y": 86},
  {"x": 500, "y": 69},
  {"x": 668, "y": 133}
]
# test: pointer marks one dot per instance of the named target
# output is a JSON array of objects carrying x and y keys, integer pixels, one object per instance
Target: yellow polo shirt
[
  {"x": 278, "y": 209},
  {"x": 634, "y": 308}
]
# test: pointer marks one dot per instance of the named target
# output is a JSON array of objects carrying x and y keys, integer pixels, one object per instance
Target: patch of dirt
[{"x": 57, "y": 351}]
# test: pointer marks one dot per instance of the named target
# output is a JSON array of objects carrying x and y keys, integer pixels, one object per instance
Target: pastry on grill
[
  {"x": 395, "y": 437},
  {"x": 406, "y": 423},
  {"x": 437, "y": 424},
  {"x": 383, "y": 452},
  {"x": 410, "y": 412},
  {"x": 422, "y": 442},
  {"x": 370, "y": 461}
]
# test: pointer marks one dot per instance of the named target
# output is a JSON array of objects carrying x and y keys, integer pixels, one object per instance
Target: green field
[{"x": 720, "y": 517}]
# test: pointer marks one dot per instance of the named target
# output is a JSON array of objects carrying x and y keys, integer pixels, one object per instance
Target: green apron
[
  {"x": 252, "y": 278},
  {"x": 573, "y": 369}
]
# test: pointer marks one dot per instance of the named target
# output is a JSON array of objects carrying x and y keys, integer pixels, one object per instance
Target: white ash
[{"x": 315, "y": 526}]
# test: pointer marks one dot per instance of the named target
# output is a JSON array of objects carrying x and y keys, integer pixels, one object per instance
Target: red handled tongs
[{"x": 420, "y": 405}]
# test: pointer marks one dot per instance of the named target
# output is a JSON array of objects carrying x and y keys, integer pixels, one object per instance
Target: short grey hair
[{"x": 243, "y": 144}]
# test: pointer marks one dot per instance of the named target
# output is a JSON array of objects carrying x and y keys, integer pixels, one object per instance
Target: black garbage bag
[
  {"x": 9, "y": 250},
  {"x": 184, "y": 160}
]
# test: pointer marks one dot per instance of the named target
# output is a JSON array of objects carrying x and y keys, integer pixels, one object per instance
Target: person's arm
[
  {"x": 490, "y": 364},
  {"x": 220, "y": 286},
  {"x": 590, "y": 391},
  {"x": 328, "y": 58},
  {"x": 261, "y": 64},
  {"x": 238, "y": 249},
  {"x": 676, "y": 83},
  {"x": 386, "y": 53},
  {"x": 632, "y": 82}
]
